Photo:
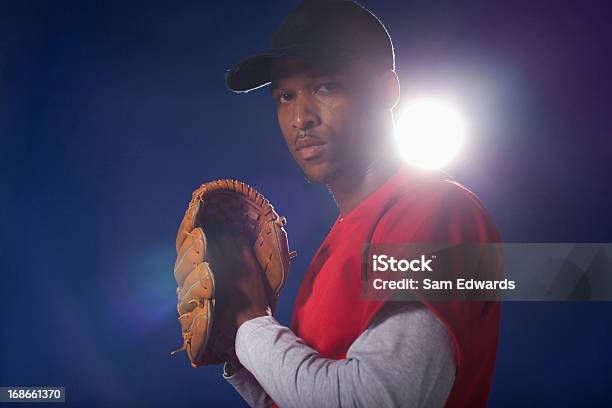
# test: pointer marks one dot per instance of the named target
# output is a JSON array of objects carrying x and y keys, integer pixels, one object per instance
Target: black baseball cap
[{"x": 318, "y": 31}]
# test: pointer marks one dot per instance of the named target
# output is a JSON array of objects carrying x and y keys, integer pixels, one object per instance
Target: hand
[
  {"x": 242, "y": 286},
  {"x": 231, "y": 367}
]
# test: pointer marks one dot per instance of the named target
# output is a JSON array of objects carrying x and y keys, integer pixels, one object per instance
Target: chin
[{"x": 321, "y": 173}]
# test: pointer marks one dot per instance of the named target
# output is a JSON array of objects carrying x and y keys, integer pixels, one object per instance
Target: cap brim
[
  {"x": 254, "y": 72},
  {"x": 251, "y": 73}
]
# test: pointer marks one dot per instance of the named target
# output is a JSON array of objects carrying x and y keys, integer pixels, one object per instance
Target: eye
[
  {"x": 285, "y": 97},
  {"x": 328, "y": 87}
]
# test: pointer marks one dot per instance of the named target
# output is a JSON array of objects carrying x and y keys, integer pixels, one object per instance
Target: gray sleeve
[
  {"x": 404, "y": 358},
  {"x": 249, "y": 389}
]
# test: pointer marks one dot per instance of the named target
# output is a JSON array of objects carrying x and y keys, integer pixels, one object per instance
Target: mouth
[{"x": 309, "y": 148}]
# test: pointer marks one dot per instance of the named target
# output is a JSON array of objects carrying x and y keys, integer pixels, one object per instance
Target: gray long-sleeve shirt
[{"x": 404, "y": 358}]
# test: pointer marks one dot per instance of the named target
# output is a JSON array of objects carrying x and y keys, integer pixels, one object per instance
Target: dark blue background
[{"x": 111, "y": 113}]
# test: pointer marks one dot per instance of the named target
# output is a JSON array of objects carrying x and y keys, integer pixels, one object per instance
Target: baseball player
[{"x": 332, "y": 74}]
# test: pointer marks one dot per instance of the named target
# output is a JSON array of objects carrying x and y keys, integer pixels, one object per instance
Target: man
[{"x": 331, "y": 69}]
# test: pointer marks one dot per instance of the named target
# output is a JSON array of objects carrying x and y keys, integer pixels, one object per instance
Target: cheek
[
  {"x": 344, "y": 118},
  {"x": 284, "y": 123},
  {"x": 334, "y": 114}
]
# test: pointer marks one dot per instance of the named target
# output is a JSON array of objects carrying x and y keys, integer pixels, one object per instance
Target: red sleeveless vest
[{"x": 409, "y": 207}]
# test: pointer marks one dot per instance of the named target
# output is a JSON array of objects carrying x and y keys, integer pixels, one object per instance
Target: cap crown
[{"x": 340, "y": 25}]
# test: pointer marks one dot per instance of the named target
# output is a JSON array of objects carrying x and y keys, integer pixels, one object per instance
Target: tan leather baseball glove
[{"x": 228, "y": 230}]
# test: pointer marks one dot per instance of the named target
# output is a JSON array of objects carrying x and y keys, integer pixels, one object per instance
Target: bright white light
[{"x": 429, "y": 132}]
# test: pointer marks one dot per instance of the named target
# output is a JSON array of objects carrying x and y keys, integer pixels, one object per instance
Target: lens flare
[{"x": 429, "y": 132}]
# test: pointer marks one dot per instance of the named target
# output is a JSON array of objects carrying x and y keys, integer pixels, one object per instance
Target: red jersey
[{"x": 410, "y": 207}]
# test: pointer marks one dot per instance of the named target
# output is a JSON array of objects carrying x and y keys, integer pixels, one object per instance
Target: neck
[{"x": 350, "y": 188}]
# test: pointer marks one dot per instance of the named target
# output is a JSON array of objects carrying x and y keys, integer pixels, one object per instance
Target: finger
[
  {"x": 272, "y": 254},
  {"x": 185, "y": 319},
  {"x": 199, "y": 287},
  {"x": 188, "y": 222},
  {"x": 200, "y": 331},
  {"x": 191, "y": 253}
]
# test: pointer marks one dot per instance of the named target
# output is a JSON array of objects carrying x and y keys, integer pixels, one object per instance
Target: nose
[{"x": 305, "y": 113}]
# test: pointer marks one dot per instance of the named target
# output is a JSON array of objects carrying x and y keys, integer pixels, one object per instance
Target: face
[{"x": 325, "y": 116}]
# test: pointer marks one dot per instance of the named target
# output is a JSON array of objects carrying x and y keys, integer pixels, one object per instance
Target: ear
[{"x": 389, "y": 88}]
